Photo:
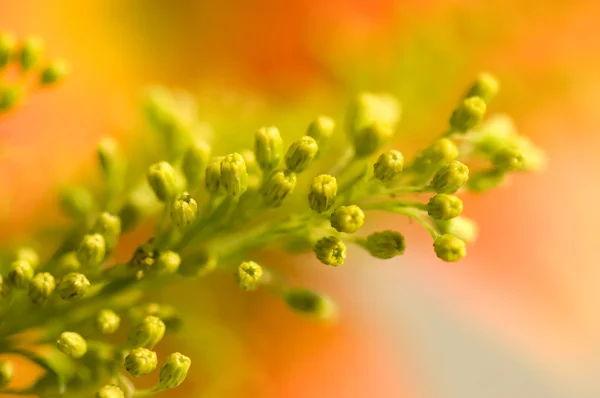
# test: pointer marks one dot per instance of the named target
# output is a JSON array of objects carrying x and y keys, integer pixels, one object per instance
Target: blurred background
[{"x": 517, "y": 318}]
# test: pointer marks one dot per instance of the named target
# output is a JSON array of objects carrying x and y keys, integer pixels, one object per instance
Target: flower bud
[
  {"x": 110, "y": 391},
  {"x": 110, "y": 158},
  {"x": 195, "y": 160},
  {"x": 168, "y": 314},
  {"x": 462, "y": 227},
  {"x": 385, "y": 244},
  {"x": 280, "y": 184},
  {"x": 174, "y": 371},
  {"x": 29, "y": 255},
  {"x": 72, "y": 344},
  {"x": 301, "y": 154},
  {"x": 200, "y": 264},
  {"x": 107, "y": 321},
  {"x": 20, "y": 274},
  {"x": 109, "y": 227},
  {"x": 91, "y": 251},
  {"x": 7, "y": 48},
  {"x": 213, "y": 176},
  {"x": 468, "y": 114},
  {"x": 347, "y": 219},
  {"x": 76, "y": 201},
  {"x": 485, "y": 87},
  {"x": 161, "y": 177},
  {"x": 248, "y": 275},
  {"x": 41, "y": 288},
  {"x": 148, "y": 333},
  {"x": 485, "y": 180},
  {"x": 184, "y": 210},
  {"x": 9, "y": 97},
  {"x": 135, "y": 207},
  {"x": 440, "y": 152},
  {"x": 73, "y": 286},
  {"x": 449, "y": 248},
  {"x": 310, "y": 303},
  {"x": 53, "y": 73},
  {"x": 450, "y": 177},
  {"x": 7, "y": 372},
  {"x": 322, "y": 194},
  {"x": 330, "y": 251},
  {"x": 371, "y": 121},
  {"x": 234, "y": 176},
  {"x": 140, "y": 362},
  {"x": 167, "y": 263},
  {"x": 509, "y": 159},
  {"x": 444, "y": 207},
  {"x": 321, "y": 129},
  {"x": 268, "y": 147},
  {"x": 389, "y": 165},
  {"x": 31, "y": 53},
  {"x": 67, "y": 263}
]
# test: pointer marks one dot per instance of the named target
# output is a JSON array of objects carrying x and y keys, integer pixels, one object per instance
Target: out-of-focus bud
[
  {"x": 450, "y": 177},
  {"x": 161, "y": 177},
  {"x": 444, "y": 207},
  {"x": 9, "y": 97},
  {"x": 144, "y": 257},
  {"x": 310, "y": 303},
  {"x": 385, "y": 244},
  {"x": 301, "y": 154},
  {"x": 41, "y": 288},
  {"x": 67, "y": 263},
  {"x": 7, "y": 372},
  {"x": 462, "y": 227},
  {"x": 72, "y": 344},
  {"x": 8, "y": 44},
  {"x": 140, "y": 362},
  {"x": 194, "y": 162},
  {"x": 322, "y": 194},
  {"x": 20, "y": 274},
  {"x": 167, "y": 262},
  {"x": 440, "y": 152},
  {"x": 109, "y": 227},
  {"x": 5, "y": 291},
  {"x": 174, "y": 371},
  {"x": 213, "y": 176},
  {"x": 234, "y": 176},
  {"x": 509, "y": 159},
  {"x": 76, "y": 201},
  {"x": 54, "y": 73},
  {"x": 31, "y": 53},
  {"x": 389, "y": 165},
  {"x": 73, "y": 286},
  {"x": 321, "y": 129},
  {"x": 110, "y": 158},
  {"x": 184, "y": 210},
  {"x": 110, "y": 391},
  {"x": 148, "y": 333},
  {"x": 268, "y": 147},
  {"x": 485, "y": 87},
  {"x": 449, "y": 248},
  {"x": 107, "y": 321},
  {"x": 248, "y": 275},
  {"x": 135, "y": 207},
  {"x": 485, "y": 180},
  {"x": 347, "y": 219},
  {"x": 330, "y": 251},
  {"x": 202, "y": 263},
  {"x": 280, "y": 184},
  {"x": 29, "y": 255},
  {"x": 468, "y": 115},
  {"x": 91, "y": 251}
]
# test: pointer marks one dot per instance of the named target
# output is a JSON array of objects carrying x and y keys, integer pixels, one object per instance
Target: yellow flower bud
[
  {"x": 72, "y": 344},
  {"x": 141, "y": 362},
  {"x": 234, "y": 176},
  {"x": 444, "y": 207},
  {"x": 347, "y": 219},
  {"x": 41, "y": 288},
  {"x": 268, "y": 147},
  {"x": 450, "y": 177},
  {"x": 449, "y": 248},
  {"x": 322, "y": 194},
  {"x": 279, "y": 185},
  {"x": 301, "y": 154},
  {"x": 248, "y": 275},
  {"x": 330, "y": 251},
  {"x": 174, "y": 371}
]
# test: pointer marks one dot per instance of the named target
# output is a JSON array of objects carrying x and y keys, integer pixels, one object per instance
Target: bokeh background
[{"x": 517, "y": 318}]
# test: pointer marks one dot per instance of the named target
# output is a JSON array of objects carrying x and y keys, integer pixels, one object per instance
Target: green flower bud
[
  {"x": 109, "y": 227},
  {"x": 195, "y": 160},
  {"x": 268, "y": 147},
  {"x": 321, "y": 129},
  {"x": 389, "y": 165},
  {"x": 9, "y": 97},
  {"x": 67, "y": 263},
  {"x": 468, "y": 114},
  {"x": 330, "y": 251},
  {"x": 161, "y": 177},
  {"x": 310, "y": 303},
  {"x": 72, "y": 344},
  {"x": 107, "y": 321},
  {"x": 110, "y": 391},
  {"x": 29, "y": 255},
  {"x": 509, "y": 159},
  {"x": 110, "y": 158},
  {"x": 385, "y": 244},
  {"x": 148, "y": 333},
  {"x": 76, "y": 201},
  {"x": 166, "y": 313},
  {"x": 213, "y": 176},
  {"x": 280, "y": 184},
  {"x": 485, "y": 180},
  {"x": 184, "y": 210},
  {"x": 449, "y": 248},
  {"x": 200, "y": 264},
  {"x": 140, "y": 362},
  {"x": 53, "y": 73},
  {"x": 7, "y": 372},
  {"x": 41, "y": 288},
  {"x": 450, "y": 177},
  {"x": 20, "y": 274},
  {"x": 234, "y": 176},
  {"x": 347, "y": 219},
  {"x": 444, "y": 207},
  {"x": 31, "y": 53},
  {"x": 7, "y": 48},
  {"x": 248, "y": 275},
  {"x": 167, "y": 263},
  {"x": 73, "y": 286},
  {"x": 91, "y": 250},
  {"x": 462, "y": 227},
  {"x": 371, "y": 121},
  {"x": 301, "y": 154},
  {"x": 485, "y": 87},
  {"x": 440, "y": 152},
  {"x": 322, "y": 194},
  {"x": 174, "y": 371}
]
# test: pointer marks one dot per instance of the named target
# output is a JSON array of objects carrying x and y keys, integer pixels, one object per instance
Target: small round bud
[
  {"x": 91, "y": 250},
  {"x": 484, "y": 180},
  {"x": 322, "y": 194},
  {"x": 268, "y": 147},
  {"x": 330, "y": 251},
  {"x": 462, "y": 227},
  {"x": 76, "y": 201},
  {"x": 148, "y": 333},
  {"x": 67, "y": 263},
  {"x": 234, "y": 176},
  {"x": 248, "y": 275},
  {"x": 174, "y": 371},
  {"x": 280, "y": 184},
  {"x": 449, "y": 248},
  {"x": 184, "y": 210},
  {"x": 385, "y": 244},
  {"x": 371, "y": 121},
  {"x": 109, "y": 227},
  {"x": 41, "y": 288},
  {"x": 7, "y": 47},
  {"x": 166, "y": 313},
  {"x": 53, "y": 73},
  {"x": 212, "y": 179},
  {"x": 440, "y": 152},
  {"x": 321, "y": 129},
  {"x": 110, "y": 158},
  {"x": 31, "y": 53},
  {"x": 140, "y": 362},
  {"x": 7, "y": 372},
  {"x": 444, "y": 207},
  {"x": 9, "y": 97},
  {"x": 310, "y": 303},
  {"x": 72, "y": 344},
  {"x": 509, "y": 159},
  {"x": 200, "y": 264},
  {"x": 301, "y": 154},
  {"x": 29, "y": 255},
  {"x": 161, "y": 177},
  {"x": 195, "y": 160},
  {"x": 485, "y": 87},
  {"x": 73, "y": 286},
  {"x": 347, "y": 219},
  {"x": 450, "y": 177},
  {"x": 389, "y": 165},
  {"x": 107, "y": 321},
  {"x": 110, "y": 391},
  {"x": 468, "y": 114},
  {"x": 168, "y": 262},
  {"x": 20, "y": 274}
]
